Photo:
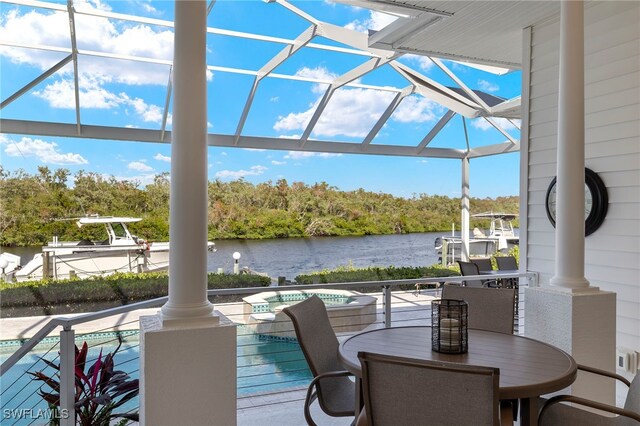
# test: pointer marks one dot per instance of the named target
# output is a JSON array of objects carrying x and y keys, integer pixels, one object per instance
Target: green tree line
[{"x": 32, "y": 206}]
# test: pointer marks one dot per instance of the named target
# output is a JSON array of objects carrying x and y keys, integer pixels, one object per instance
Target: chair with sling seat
[{"x": 331, "y": 385}]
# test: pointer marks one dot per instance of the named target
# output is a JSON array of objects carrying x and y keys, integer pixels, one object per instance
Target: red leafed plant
[{"x": 98, "y": 392}]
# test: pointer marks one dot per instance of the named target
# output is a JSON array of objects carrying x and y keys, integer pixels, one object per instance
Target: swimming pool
[{"x": 263, "y": 365}]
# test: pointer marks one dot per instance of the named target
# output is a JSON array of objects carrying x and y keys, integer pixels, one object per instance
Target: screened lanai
[{"x": 76, "y": 72}]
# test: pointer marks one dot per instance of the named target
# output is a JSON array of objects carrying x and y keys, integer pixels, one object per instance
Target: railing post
[
  {"x": 386, "y": 305},
  {"x": 67, "y": 377}
]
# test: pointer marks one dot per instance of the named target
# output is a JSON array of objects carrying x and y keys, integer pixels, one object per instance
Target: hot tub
[{"x": 348, "y": 311}]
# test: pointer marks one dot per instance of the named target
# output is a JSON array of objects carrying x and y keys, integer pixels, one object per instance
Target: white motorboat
[
  {"x": 119, "y": 252},
  {"x": 501, "y": 238}
]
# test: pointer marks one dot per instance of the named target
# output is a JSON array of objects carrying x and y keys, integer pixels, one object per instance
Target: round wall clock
[{"x": 595, "y": 201}]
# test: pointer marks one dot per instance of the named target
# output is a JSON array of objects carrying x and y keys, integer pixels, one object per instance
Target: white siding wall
[{"x": 612, "y": 108}]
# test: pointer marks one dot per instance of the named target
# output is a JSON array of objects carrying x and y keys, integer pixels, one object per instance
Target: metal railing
[{"x": 393, "y": 306}]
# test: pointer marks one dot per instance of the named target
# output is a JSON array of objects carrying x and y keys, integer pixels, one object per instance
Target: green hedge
[
  {"x": 90, "y": 295},
  {"x": 351, "y": 274}
]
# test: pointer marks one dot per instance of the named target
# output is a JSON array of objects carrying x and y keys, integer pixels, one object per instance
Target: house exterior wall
[{"x": 612, "y": 138}]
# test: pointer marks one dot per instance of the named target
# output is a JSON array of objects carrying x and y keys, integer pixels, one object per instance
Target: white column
[
  {"x": 188, "y": 202},
  {"x": 571, "y": 314},
  {"x": 569, "y": 267},
  {"x": 188, "y": 352},
  {"x": 464, "y": 219}
]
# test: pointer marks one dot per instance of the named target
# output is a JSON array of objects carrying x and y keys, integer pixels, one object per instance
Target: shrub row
[
  {"x": 88, "y": 295},
  {"x": 351, "y": 274}
]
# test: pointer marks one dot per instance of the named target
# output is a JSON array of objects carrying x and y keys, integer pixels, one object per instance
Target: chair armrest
[
  {"x": 311, "y": 395},
  {"x": 588, "y": 403},
  {"x": 604, "y": 373}
]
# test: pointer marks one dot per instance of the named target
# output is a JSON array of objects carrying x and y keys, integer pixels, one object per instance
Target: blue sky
[{"x": 132, "y": 94}]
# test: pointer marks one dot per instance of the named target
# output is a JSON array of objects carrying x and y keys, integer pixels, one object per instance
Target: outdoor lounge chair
[
  {"x": 553, "y": 413},
  {"x": 507, "y": 263},
  {"x": 405, "y": 391},
  {"x": 332, "y": 388}
]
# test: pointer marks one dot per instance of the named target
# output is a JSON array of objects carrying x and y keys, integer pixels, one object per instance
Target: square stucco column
[
  {"x": 582, "y": 324},
  {"x": 187, "y": 372}
]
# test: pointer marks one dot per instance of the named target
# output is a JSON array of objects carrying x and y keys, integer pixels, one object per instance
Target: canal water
[{"x": 293, "y": 256}]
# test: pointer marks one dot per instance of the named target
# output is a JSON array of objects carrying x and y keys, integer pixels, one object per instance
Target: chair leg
[{"x": 506, "y": 412}]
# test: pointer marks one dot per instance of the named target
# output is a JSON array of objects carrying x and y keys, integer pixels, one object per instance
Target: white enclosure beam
[
  {"x": 473, "y": 95},
  {"x": 435, "y": 130},
  {"x": 441, "y": 94},
  {"x": 465, "y": 207},
  {"x": 347, "y": 77},
  {"x": 167, "y": 101},
  {"x": 387, "y": 114},
  {"x": 36, "y": 81},
  {"x": 501, "y": 129},
  {"x": 41, "y": 128},
  {"x": 74, "y": 55},
  {"x": 278, "y": 59}
]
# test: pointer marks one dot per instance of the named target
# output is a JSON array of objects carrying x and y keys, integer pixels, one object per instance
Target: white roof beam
[
  {"x": 495, "y": 149},
  {"x": 437, "y": 92},
  {"x": 300, "y": 41},
  {"x": 209, "y": 67},
  {"x": 435, "y": 130},
  {"x": 295, "y": 10},
  {"x": 387, "y": 114},
  {"x": 473, "y": 95},
  {"x": 74, "y": 53},
  {"x": 167, "y": 100},
  {"x": 499, "y": 128},
  {"x": 41, "y": 128},
  {"x": 347, "y": 77},
  {"x": 36, "y": 81}
]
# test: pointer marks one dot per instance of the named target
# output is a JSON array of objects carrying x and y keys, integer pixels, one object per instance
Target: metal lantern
[{"x": 449, "y": 319}]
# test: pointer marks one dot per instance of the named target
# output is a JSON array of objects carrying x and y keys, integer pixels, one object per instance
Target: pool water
[{"x": 263, "y": 365}]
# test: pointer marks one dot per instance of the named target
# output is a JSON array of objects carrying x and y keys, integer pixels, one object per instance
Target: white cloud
[
  {"x": 487, "y": 86},
  {"x": 482, "y": 124},
  {"x": 353, "y": 112},
  {"x": 375, "y": 21},
  {"x": 422, "y": 61},
  {"x": 350, "y": 112},
  {"x": 237, "y": 174},
  {"x": 94, "y": 33},
  {"x": 60, "y": 94},
  {"x": 161, "y": 157},
  {"x": 417, "y": 109},
  {"x": 278, "y": 163},
  {"x": 254, "y": 149},
  {"x": 46, "y": 152},
  {"x": 296, "y": 155},
  {"x": 139, "y": 166},
  {"x": 274, "y": 99}
]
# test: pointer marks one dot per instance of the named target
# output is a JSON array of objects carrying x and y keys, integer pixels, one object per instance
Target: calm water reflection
[{"x": 294, "y": 256}]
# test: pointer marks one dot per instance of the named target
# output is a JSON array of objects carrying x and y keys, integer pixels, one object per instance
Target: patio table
[{"x": 528, "y": 368}]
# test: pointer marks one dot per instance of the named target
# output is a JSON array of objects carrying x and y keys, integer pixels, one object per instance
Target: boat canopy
[
  {"x": 491, "y": 215},
  {"x": 106, "y": 219}
]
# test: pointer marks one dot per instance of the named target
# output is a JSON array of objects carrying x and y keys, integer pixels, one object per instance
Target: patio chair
[
  {"x": 405, "y": 391},
  {"x": 483, "y": 263},
  {"x": 470, "y": 268},
  {"x": 332, "y": 388},
  {"x": 507, "y": 263},
  {"x": 554, "y": 413},
  {"x": 490, "y": 309}
]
